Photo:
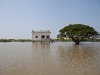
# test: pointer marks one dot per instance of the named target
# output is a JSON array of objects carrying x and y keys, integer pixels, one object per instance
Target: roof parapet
[{"x": 41, "y": 31}]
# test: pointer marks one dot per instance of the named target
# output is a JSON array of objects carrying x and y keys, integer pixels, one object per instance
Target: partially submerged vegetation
[
  {"x": 70, "y": 40},
  {"x": 15, "y": 40},
  {"x": 52, "y": 40}
]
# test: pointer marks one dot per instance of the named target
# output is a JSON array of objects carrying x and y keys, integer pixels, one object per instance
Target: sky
[{"x": 19, "y": 17}]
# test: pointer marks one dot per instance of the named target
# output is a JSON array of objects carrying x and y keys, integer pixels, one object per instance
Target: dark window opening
[
  {"x": 47, "y": 36},
  {"x": 43, "y": 36},
  {"x": 36, "y": 36}
]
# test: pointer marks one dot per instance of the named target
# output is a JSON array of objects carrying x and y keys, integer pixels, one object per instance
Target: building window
[
  {"x": 43, "y": 36},
  {"x": 36, "y": 36},
  {"x": 47, "y": 36}
]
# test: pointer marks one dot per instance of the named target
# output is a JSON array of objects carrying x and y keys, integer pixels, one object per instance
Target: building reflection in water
[
  {"x": 67, "y": 59},
  {"x": 49, "y": 59},
  {"x": 41, "y": 50}
]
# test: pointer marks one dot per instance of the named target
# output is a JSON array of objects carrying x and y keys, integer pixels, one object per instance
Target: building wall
[{"x": 39, "y": 34}]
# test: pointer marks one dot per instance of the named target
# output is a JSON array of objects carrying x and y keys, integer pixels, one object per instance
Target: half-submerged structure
[{"x": 41, "y": 36}]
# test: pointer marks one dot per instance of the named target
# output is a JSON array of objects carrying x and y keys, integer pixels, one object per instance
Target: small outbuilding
[{"x": 41, "y": 36}]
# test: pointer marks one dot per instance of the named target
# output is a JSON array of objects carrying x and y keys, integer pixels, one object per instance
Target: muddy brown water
[{"x": 49, "y": 59}]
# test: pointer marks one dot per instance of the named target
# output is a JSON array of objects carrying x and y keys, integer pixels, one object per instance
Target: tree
[
  {"x": 60, "y": 37},
  {"x": 78, "y": 32}
]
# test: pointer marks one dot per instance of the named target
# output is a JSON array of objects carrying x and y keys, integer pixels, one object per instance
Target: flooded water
[{"x": 49, "y": 59}]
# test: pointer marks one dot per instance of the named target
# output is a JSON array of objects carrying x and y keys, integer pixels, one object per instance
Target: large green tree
[{"x": 78, "y": 32}]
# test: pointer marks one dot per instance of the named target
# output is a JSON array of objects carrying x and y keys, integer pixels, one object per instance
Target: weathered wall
[{"x": 34, "y": 34}]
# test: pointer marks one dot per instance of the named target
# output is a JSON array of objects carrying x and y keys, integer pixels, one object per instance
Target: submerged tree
[{"x": 78, "y": 32}]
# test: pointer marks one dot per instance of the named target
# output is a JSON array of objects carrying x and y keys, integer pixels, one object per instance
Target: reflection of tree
[{"x": 78, "y": 56}]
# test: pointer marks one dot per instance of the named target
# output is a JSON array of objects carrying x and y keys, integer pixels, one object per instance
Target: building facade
[{"x": 41, "y": 36}]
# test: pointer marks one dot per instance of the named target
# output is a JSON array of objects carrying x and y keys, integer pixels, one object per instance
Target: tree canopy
[{"x": 77, "y": 32}]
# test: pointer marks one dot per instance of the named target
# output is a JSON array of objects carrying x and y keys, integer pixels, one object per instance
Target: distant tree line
[
  {"x": 70, "y": 40},
  {"x": 15, "y": 40}
]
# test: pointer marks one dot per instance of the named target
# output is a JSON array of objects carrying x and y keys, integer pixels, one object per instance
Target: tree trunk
[{"x": 77, "y": 42}]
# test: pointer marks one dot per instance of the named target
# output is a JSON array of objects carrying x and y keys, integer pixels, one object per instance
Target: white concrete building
[{"x": 41, "y": 36}]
